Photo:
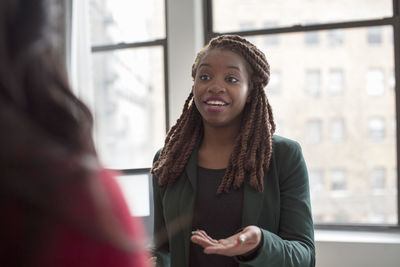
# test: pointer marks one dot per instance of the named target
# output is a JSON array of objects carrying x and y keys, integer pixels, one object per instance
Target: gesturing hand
[{"x": 237, "y": 244}]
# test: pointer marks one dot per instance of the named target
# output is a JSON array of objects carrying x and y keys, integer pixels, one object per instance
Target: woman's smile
[{"x": 221, "y": 88}]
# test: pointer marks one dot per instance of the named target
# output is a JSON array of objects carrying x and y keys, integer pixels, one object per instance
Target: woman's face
[{"x": 221, "y": 88}]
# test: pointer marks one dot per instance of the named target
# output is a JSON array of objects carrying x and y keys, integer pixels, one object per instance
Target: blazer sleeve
[
  {"x": 293, "y": 245},
  {"x": 160, "y": 236}
]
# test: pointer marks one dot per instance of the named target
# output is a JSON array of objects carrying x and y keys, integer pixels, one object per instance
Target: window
[
  {"x": 392, "y": 80},
  {"x": 374, "y": 35},
  {"x": 336, "y": 82},
  {"x": 335, "y": 37},
  {"x": 313, "y": 132},
  {"x": 273, "y": 39},
  {"x": 377, "y": 178},
  {"x": 316, "y": 180},
  {"x": 274, "y": 85},
  {"x": 337, "y": 130},
  {"x": 375, "y": 83},
  {"x": 338, "y": 180},
  {"x": 347, "y": 52},
  {"x": 128, "y": 48},
  {"x": 376, "y": 128},
  {"x": 311, "y": 38},
  {"x": 313, "y": 82}
]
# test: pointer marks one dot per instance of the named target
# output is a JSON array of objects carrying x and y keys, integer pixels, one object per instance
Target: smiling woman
[
  {"x": 221, "y": 89},
  {"x": 223, "y": 171}
]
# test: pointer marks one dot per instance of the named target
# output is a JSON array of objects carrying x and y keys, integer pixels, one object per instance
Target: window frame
[
  {"x": 163, "y": 42},
  {"x": 393, "y": 21}
]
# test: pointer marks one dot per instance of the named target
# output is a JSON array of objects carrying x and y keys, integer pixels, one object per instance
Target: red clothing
[{"x": 62, "y": 244}]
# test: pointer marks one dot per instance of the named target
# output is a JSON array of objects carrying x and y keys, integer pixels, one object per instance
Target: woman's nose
[{"x": 216, "y": 87}]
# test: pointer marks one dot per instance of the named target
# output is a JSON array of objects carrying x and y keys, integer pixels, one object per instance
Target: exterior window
[
  {"x": 311, "y": 38},
  {"x": 246, "y": 26},
  {"x": 336, "y": 95},
  {"x": 336, "y": 82},
  {"x": 313, "y": 82},
  {"x": 337, "y": 130},
  {"x": 335, "y": 37},
  {"x": 376, "y": 127},
  {"x": 129, "y": 82},
  {"x": 375, "y": 84},
  {"x": 392, "y": 81},
  {"x": 316, "y": 180},
  {"x": 274, "y": 85},
  {"x": 272, "y": 39},
  {"x": 378, "y": 179},
  {"x": 374, "y": 35},
  {"x": 338, "y": 180},
  {"x": 314, "y": 131}
]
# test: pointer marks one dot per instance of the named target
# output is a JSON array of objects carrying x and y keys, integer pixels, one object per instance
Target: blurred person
[
  {"x": 59, "y": 206},
  {"x": 227, "y": 190}
]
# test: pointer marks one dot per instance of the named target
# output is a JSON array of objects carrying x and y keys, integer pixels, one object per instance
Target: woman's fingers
[
  {"x": 201, "y": 238},
  {"x": 237, "y": 244}
]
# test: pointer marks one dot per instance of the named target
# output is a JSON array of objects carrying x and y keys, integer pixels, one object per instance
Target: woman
[
  {"x": 224, "y": 176},
  {"x": 59, "y": 206}
]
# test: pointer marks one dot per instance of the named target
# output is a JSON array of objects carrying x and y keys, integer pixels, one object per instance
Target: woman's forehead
[{"x": 225, "y": 56}]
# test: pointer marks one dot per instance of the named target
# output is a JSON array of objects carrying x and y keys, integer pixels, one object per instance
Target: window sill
[{"x": 342, "y": 236}]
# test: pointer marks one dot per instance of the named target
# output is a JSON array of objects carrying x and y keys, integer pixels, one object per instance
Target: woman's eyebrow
[{"x": 204, "y": 65}]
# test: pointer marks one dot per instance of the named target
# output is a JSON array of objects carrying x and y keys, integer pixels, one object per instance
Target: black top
[{"x": 219, "y": 215}]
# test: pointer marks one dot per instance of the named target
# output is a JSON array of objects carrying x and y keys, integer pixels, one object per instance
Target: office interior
[{"x": 335, "y": 88}]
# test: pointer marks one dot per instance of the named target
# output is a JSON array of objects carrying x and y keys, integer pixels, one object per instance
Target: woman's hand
[{"x": 237, "y": 244}]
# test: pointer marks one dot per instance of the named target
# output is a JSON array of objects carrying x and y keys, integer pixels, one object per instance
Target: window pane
[
  {"x": 338, "y": 180},
  {"x": 348, "y": 131},
  {"x": 378, "y": 177},
  {"x": 227, "y": 14},
  {"x": 336, "y": 81},
  {"x": 376, "y": 128},
  {"x": 313, "y": 82},
  {"x": 337, "y": 130},
  {"x": 271, "y": 39},
  {"x": 130, "y": 110},
  {"x": 275, "y": 83},
  {"x": 136, "y": 190},
  {"x": 115, "y": 21},
  {"x": 313, "y": 134},
  {"x": 374, "y": 82},
  {"x": 335, "y": 37},
  {"x": 374, "y": 35}
]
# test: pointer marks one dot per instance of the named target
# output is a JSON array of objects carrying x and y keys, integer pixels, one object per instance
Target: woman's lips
[{"x": 215, "y": 105}]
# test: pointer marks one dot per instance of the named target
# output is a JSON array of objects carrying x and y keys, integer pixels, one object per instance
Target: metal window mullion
[
  {"x": 396, "y": 44},
  {"x": 104, "y": 48},
  {"x": 133, "y": 171},
  {"x": 208, "y": 20},
  {"x": 166, "y": 77},
  {"x": 315, "y": 27}
]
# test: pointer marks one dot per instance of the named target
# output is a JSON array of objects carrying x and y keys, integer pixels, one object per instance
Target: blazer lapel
[{"x": 187, "y": 200}]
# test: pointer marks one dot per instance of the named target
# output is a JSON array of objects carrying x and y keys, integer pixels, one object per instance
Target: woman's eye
[
  {"x": 232, "y": 79},
  {"x": 204, "y": 77}
]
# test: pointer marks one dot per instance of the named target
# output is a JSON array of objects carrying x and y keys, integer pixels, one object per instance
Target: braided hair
[{"x": 252, "y": 152}]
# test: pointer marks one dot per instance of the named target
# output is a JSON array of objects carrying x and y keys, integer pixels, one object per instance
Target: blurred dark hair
[
  {"x": 33, "y": 82},
  {"x": 45, "y": 131}
]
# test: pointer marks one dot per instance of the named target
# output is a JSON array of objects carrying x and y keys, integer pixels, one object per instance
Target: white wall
[
  {"x": 185, "y": 39},
  {"x": 334, "y": 248}
]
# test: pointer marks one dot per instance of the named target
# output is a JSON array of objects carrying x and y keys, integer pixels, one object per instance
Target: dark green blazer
[{"x": 282, "y": 211}]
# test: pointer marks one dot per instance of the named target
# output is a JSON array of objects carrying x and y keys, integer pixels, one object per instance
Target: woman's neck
[{"x": 216, "y": 147}]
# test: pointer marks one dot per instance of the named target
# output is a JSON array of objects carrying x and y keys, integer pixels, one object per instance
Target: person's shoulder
[
  {"x": 283, "y": 144},
  {"x": 157, "y": 155}
]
